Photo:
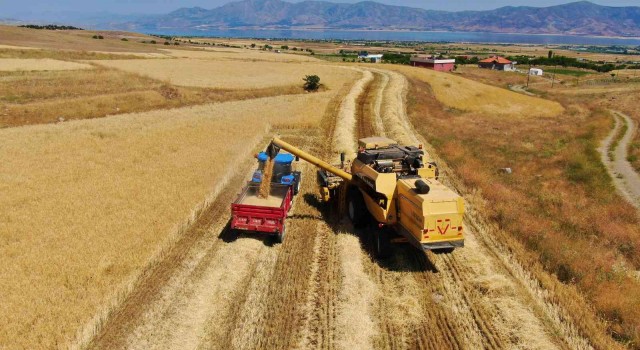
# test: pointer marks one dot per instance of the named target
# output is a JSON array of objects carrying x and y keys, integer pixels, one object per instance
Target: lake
[{"x": 467, "y": 37}]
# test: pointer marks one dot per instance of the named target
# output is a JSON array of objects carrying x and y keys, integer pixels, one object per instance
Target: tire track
[{"x": 625, "y": 178}]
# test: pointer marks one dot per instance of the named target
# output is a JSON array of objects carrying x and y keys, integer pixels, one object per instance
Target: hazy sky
[{"x": 13, "y": 7}]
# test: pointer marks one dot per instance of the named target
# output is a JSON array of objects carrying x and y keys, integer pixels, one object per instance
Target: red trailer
[{"x": 249, "y": 212}]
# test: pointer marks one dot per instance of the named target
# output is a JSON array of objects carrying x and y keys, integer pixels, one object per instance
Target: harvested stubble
[
  {"x": 230, "y": 74},
  {"x": 35, "y": 64},
  {"x": 89, "y": 202},
  {"x": 346, "y": 120}
]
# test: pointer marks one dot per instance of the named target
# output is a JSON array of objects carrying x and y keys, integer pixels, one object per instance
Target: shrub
[
  {"x": 167, "y": 43},
  {"x": 124, "y": 39},
  {"x": 311, "y": 82},
  {"x": 152, "y": 42}
]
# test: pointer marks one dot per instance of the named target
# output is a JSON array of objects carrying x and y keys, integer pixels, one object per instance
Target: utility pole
[
  {"x": 553, "y": 77},
  {"x": 528, "y": 75}
]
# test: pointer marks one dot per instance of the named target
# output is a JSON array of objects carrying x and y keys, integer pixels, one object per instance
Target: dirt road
[
  {"x": 625, "y": 178},
  {"x": 321, "y": 288}
]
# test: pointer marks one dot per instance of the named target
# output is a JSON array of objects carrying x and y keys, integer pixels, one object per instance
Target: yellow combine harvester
[{"x": 391, "y": 186}]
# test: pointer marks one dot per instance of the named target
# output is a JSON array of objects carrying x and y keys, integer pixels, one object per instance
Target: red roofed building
[
  {"x": 497, "y": 63},
  {"x": 442, "y": 65}
]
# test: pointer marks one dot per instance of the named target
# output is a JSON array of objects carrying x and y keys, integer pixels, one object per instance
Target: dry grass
[
  {"x": 549, "y": 202},
  {"x": 46, "y": 64},
  {"x": 91, "y": 201},
  {"x": 467, "y": 95},
  {"x": 230, "y": 74}
]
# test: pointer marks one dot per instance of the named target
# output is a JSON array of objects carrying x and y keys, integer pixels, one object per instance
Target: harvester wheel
[
  {"x": 280, "y": 236},
  {"x": 357, "y": 210},
  {"x": 444, "y": 251},
  {"x": 382, "y": 242}
]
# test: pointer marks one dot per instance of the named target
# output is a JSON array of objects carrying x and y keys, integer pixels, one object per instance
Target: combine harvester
[{"x": 390, "y": 186}]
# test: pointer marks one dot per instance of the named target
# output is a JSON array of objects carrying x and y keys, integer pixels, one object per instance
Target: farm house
[
  {"x": 497, "y": 63},
  {"x": 536, "y": 71},
  {"x": 367, "y": 57},
  {"x": 441, "y": 65}
]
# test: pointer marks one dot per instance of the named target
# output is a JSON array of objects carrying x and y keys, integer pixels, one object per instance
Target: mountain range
[{"x": 577, "y": 18}]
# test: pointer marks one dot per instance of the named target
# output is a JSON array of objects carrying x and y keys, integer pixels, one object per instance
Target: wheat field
[
  {"x": 471, "y": 96},
  {"x": 229, "y": 74},
  {"x": 89, "y": 202},
  {"x": 236, "y": 54},
  {"x": 44, "y": 64}
]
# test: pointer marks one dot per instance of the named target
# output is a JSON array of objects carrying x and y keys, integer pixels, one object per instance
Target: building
[
  {"x": 441, "y": 65},
  {"x": 365, "y": 56},
  {"x": 497, "y": 63},
  {"x": 536, "y": 71}
]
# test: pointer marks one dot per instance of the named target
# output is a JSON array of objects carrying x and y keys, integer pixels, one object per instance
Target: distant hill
[{"x": 578, "y": 18}]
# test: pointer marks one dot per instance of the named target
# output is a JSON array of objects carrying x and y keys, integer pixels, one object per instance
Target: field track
[
  {"x": 321, "y": 288},
  {"x": 626, "y": 179}
]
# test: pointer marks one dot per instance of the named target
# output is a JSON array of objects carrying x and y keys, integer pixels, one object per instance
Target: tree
[
  {"x": 550, "y": 55},
  {"x": 124, "y": 39},
  {"x": 253, "y": 46},
  {"x": 284, "y": 47},
  {"x": 311, "y": 82}
]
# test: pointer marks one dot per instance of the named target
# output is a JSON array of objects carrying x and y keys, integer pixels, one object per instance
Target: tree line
[{"x": 49, "y": 27}]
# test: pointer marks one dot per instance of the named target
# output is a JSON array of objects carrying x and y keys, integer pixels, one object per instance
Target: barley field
[
  {"x": 468, "y": 95},
  {"x": 229, "y": 74},
  {"x": 11, "y": 64},
  {"x": 88, "y": 203}
]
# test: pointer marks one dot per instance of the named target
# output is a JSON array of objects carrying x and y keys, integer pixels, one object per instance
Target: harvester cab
[{"x": 283, "y": 172}]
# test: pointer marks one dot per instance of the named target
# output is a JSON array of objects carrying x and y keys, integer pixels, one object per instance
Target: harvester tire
[
  {"x": 356, "y": 209},
  {"x": 382, "y": 244},
  {"x": 280, "y": 236}
]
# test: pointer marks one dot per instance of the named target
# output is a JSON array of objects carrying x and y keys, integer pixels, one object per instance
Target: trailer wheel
[
  {"x": 280, "y": 236},
  {"x": 357, "y": 210},
  {"x": 296, "y": 187},
  {"x": 382, "y": 244}
]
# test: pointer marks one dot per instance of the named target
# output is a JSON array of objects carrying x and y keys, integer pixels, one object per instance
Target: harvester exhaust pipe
[{"x": 342, "y": 160}]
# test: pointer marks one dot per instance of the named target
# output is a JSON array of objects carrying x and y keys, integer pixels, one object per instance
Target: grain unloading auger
[{"x": 390, "y": 185}]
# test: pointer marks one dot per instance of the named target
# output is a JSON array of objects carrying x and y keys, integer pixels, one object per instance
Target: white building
[
  {"x": 536, "y": 71},
  {"x": 365, "y": 56}
]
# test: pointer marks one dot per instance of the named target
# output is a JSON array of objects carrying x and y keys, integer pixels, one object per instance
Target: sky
[{"x": 10, "y": 8}]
